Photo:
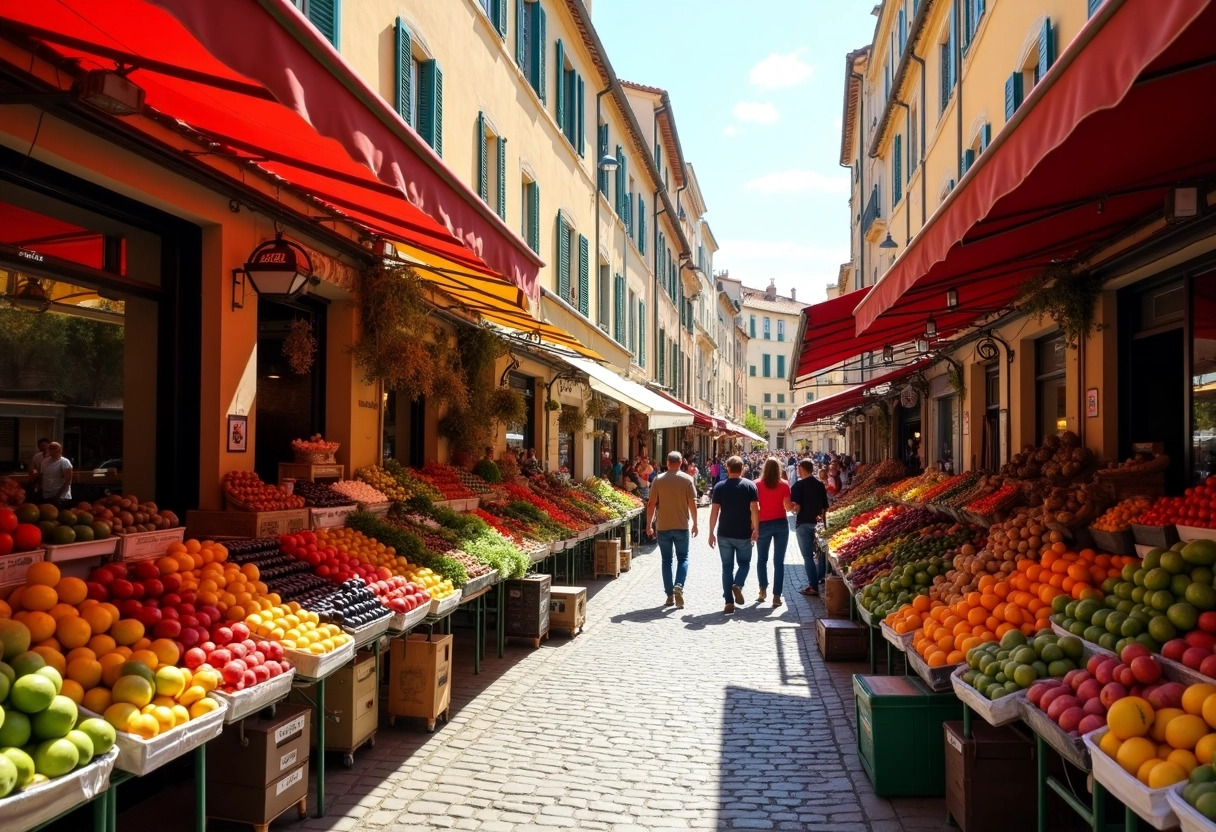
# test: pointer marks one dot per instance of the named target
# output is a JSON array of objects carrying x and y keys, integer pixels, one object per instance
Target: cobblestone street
[{"x": 651, "y": 719}]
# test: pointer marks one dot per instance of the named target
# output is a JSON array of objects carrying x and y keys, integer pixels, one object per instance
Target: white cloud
[
  {"x": 797, "y": 182},
  {"x": 781, "y": 71},
  {"x": 731, "y": 130},
  {"x": 756, "y": 112}
]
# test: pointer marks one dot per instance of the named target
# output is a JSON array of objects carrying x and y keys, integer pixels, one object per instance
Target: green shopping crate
[{"x": 899, "y": 734}]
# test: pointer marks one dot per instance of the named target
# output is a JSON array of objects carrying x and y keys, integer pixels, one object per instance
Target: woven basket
[{"x": 315, "y": 457}]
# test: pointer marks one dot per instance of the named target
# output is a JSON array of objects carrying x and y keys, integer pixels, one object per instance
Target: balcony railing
[{"x": 872, "y": 212}]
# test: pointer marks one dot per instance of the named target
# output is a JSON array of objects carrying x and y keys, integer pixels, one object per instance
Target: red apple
[
  {"x": 240, "y": 631},
  {"x": 194, "y": 657},
  {"x": 145, "y": 569},
  {"x": 1174, "y": 649},
  {"x": 1070, "y": 719},
  {"x": 1089, "y": 689},
  {"x": 154, "y": 587},
  {"x": 261, "y": 673},
  {"x": 190, "y": 637},
  {"x": 1105, "y": 674},
  {"x": 238, "y": 649},
  {"x": 1193, "y": 657},
  {"x": 1095, "y": 706},
  {"x": 233, "y": 672},
  {"x": 1168, "y": 694},
  {"x": 249, "y": 678},
  {"x": 1133, "y": 651},
  {"x": 149, "y": 616},
  {"x": 167, "y": 628},
  {"x": 1146, "y": 669},
  {"x": 273, "y": 669},
  {"x": 208, "y": 645},
  {"x": 222, "y": 635},
  {"x": 121, "y": 588},
  {"x": 98, "y": 591},
  {"x": 1092, "y": 722},
  {"x": 1198, "y": 638},
  {"x": 1207, "y": 621},
  {"x": 1093, "y": 663},
  {"x": 1124, "y": 676},
  {"x": 1112, "y": 693},
  {"x": 1061, "y": 704},
  {"x": 1208, "y": 666},
  {"x": 219, "y": 657},
  {"x": 1075, "y": 678}
]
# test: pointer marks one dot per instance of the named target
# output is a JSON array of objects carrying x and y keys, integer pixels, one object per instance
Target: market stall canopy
[
  {"x": 265, "y": 88},
  {"x": 739, "y": 430},
  {"x": 838, "y": 403},
  {"x": 700, "y": 419},
  {"x": 658, "y": 410},
  {"x": 1058, "y": 183}
]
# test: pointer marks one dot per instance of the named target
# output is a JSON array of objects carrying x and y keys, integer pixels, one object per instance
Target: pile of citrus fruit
[
  {"x": 1163, "y": 746},
  {"x": 147, "y": 701},
  {"x": 370, "y": 551},
  {"x": 297, "y": 628}
]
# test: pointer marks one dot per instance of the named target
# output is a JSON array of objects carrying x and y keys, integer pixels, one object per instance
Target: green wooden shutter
[
  {"x": 985, "y": 137},
  {"x": 968, "y": 159},
  {"x": 500, "y": 17},
  {"x": 780, "y": 366},
  {"x": 563, "y": 258},
  {"x": 580, "y": 119},
  {"x": 897, "y": 178},
  {"x": 521, "y": 35},
  {"x": 618, "y": 305},
  {"x": 584, "y": 275},
  {"x": 620, "y": 180},
  {"x": 401, "y": 93},
  {"x": 1013, "y": 94},
  {"x": 538, "y": 49},
  {"x": 662, "y": 356},
  {"x": 1094, "y": 5},
  {"x": 1047, "y": 47},
  {"x": 641, "y": 224},
  {"x": 534, "y": 217},
  {"x": 641, "y": 334},
  {"x": 325, "y": 15},
  {"x": 559, "y": 87},
  {"x": 502, "y": 177},
  {"x": 483, "y": 163},
  {"x": 430, "y": 104}
]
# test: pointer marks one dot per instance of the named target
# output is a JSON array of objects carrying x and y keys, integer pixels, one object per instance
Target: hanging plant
[
  {"x": 552, "y": 405},
  {"x": 508, "y": 406},
  {"x": 957, "y": 383},
  {"x": 596, "y": 407},
  {"x": 300, "y": 347},
  {"x": 597, "y": 434},
  {"x": 472, "y": 415},
  {"x": 572, "y": 420},
  {"x": 881, "y": 419},
  {"x": 1064, "y": 296},
  {"x": 637, "y": 426},
  {"x": 397, "y": 345}
]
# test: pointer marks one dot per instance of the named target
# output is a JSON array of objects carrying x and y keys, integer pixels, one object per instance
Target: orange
[
  {"x": 1166, "y": 773},
  {"x": 111, "y": 663},
  {"x": 1130, "y": 717},
  {"x": 98, "y": 617},
  {"x": 39, "y": 597},
  {"x": 127, "y": 631},
  {"x": 53, "y": 657},
  {"x": 167, "y": 565},
  {"x": 72, "y": 590},
  {"x": 62, "y": 610},
  {"x": 102, "y": 644},
  {"x": 1185, "y": 759},
  {"x": 146, "y": 657},
  {"x": 73, "y": 632},
  {"x": 97, "y": 700},
  {"x": 1161, "y": 721},
  {"x": 145, "y": 726},
  {"x": 1134, "y": 752},
  {"x": 86, "y": 672},
  {"x": 1205, "y": 749},
  {"x": 1185, "y": 731},
  {"x": 1110, "y": 744},
  {"x": 43, "y": 573},
  {"x": 80, "y": 653},
  {"x": 1194, "y": 697},
  {"x": 72, "y": 690},
  {"x": 40, "y": 625},
  {"x": 165, "y": 650}
]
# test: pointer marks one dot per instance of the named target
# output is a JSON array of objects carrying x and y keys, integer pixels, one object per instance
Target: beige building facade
[{"x": 771, "y": 321}]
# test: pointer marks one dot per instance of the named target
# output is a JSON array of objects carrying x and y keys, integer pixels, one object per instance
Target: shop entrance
[
  {"x": 908, "y": 436},
  {"x": 1155, "y": 375},
  {"x": 291, "y": 388}
]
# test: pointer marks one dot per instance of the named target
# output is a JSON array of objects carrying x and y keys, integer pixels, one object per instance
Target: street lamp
[{"x": 888, "y": 243}]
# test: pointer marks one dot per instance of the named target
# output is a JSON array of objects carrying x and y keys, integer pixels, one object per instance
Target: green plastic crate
[{"x": 899, "y": 734}]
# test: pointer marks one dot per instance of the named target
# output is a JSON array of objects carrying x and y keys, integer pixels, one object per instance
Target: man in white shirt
[
  {"x": 55, "y": 475},
  {"x": 36, "y": 459}
]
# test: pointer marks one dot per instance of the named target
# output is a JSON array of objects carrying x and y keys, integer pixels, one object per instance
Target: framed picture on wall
[
  {"x": 1091, "y": 402},
  {"x": 238, "y": 434}
]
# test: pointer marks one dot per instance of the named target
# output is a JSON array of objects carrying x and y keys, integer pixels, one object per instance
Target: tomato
[
  {"x": 6, "y": 543},
  {"x": 8, "y": 520},
  {"x": 26, "y": 536}
]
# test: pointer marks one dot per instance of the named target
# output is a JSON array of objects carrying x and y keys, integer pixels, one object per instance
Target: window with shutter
[
  {"x": 584, "y": 276},
  {"x": 766, "y": 363},
  {"x": 483, "y": 161},
  {"x": 618, "y": 325},
  {"x": 580, "y": 118},
  {"x": 641, "y": 334},
  {"x": 1047, "y": 48},
  {"x": 559, "y": 85},
  {"x": 562, "y": 236},
  {"x": 897, "y": 176},
  {"x": 1094, "y": 5},
  {"x": 500, "y": 17},
  {"x": 502, "y": 177},
  {"x": 968, "y": 159},
  {"x": 402, "y": 93},
  {"x": 534, "y": 216},
  {"x": 430, "y": 104},
  {"x": 1013, "y": 94},
  {"x": 521, "y": 36},
  {"x": 902, "y": 25},
  {"x": 602, "y": 151},
  {"x": 326, "y": 16},
  {"x": 662, "y": 356},
  {"x": 780, "y": 366},
  {"x": 985, "y": 137},
  {"x": 641, "y": 224}
]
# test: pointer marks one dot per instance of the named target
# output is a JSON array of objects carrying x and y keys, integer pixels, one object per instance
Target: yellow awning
[{"x": 491, "y": 298}]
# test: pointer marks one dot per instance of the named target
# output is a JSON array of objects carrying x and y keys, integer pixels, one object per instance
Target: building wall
[{"x": 782, "y": 403}]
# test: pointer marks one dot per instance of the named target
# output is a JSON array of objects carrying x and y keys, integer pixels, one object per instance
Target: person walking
[
  {"x": 734, "y": 523},
  {"x": 55, "y": 476},
  {"x": 774, "y": 496},
  {"x": 673, "y": 500},
  {"x": 809, "y": 501}
]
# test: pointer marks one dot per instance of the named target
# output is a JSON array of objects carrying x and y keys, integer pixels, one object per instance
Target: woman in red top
[{"x": 774, "y": 528}]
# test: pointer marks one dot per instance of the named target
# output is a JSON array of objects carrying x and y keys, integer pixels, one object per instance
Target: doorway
[{"x": 290, "y": 404}]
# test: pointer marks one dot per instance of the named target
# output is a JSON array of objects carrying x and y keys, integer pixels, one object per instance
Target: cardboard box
[
  {"x": 141, "y": 545},
  {"x": 420, "y": 676},
  {"x": 259, "y": 805},
  {"x": 209, "y": 524},
  {"x": 836, "y": 595},
  {"x": 527, "y": 606},
  {"x": 274, "y": 746},
  {"x": 568, "y": 607},
  {"x": 352, "y": 704},
  {"x": 608, "y": 558}
]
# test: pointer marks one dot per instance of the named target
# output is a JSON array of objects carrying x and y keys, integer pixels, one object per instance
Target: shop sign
[{"x": 908, "y": 397}]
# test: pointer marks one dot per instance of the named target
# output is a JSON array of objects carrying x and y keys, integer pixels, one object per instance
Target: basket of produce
[
  {"x": 1001, "y": 711},
  {"x": 405, "y": 621},
  {"x": 1189, "y": 533},
  {"x": 35, "y": 805},
  {"x": 479, "y": 583},
  {"x": 250, "y": 700},
  {"x": 315, "y": 450},
  {"x": 937, "y": 678},
  {"x": 901, "y": 642},
  {"x": 1071, "y": 749},
  {"x": 1151, "y": 804},
  {"x": 311, "y": 666},
  {"x": 1158, "y": 536},
  {"x": 444, "y": 606},
  {"x": 865, "y": 615},
  {"x": 245, "y": 491},
  {"x": 1142, "y": 475},
  {"x": 1195, "y": 812},
  {"x": 144, "y": 752}
]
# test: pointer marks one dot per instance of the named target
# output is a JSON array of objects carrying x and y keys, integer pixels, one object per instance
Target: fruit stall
[
  {"x": 1069, "y": 611},
  {"x": 271, "y": 616}
]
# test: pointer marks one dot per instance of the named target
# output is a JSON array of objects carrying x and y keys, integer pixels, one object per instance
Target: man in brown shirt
[{"x": 673, "y": 497}]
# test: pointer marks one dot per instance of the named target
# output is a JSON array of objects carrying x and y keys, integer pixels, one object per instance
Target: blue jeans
[
  {"x": 734, "y": 550},
  {"x": 674, "y": 540},
  {"x": 815, "y": 575},
  {"x": 776, "y": 532}
]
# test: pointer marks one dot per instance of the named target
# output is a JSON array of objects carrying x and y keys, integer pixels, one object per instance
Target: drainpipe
[
  {"x": 908, "y": 208},
  {"x": 861, "y": 177},
  {"x": 958, "y": 83},
  {"x": 924, "y": 105}
]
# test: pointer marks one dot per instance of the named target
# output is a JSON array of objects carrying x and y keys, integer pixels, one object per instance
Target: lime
[
  {"x": 55, "y": 758},
  {"x": 84, "y": 746},
  {"x": 1201, "y": 595},
  {"x": 1206, "y": 804},
  {"x": 1051, "y": 653},
  {"x": 1157, "y": 579},
  {"x": 1203, "y": 774},
  {"x": 100, "y": 732},
  {"x": 1183, "y": 616},
  {"x": 1025, "y": 676},
  {"x": 1153, "y": 558},
  {"x": 1200, "y": 552},
  {"x": 1173, "y": 562},
  {"x": 24, "y": 764},
  {"x": 16, "y": 729},
  {"x": 8, "y": 776},
  {"x": 55, "y": 722},
  {"x": 31, "y": 694},
  {"x": 1107, "y": 641},
  {"x": 1179, "y": 583}
]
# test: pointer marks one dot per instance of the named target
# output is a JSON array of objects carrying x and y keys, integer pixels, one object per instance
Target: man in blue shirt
[
  {"x": 734, "y": 523},
  {"x": 809, "y": 502}
]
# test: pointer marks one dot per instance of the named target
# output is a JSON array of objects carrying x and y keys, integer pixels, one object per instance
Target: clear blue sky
[{"x": 757, "y": 88}]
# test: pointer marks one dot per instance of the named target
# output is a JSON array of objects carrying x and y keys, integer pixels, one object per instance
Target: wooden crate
[
  {"x": 568, "y": 608},
  {"x": 420, "y": 678},
  {"x": 842, "y": 640},
  {"x": 990, "y": 778},
  {"x": 206, "y": 524},
  {"x": 351, "y": 704},
  {"x": 626, "y": 559},
  {"x": 310, "y": 472},
  {"x": 527, "y": 608},
  {"x": 608, "y": 558}
]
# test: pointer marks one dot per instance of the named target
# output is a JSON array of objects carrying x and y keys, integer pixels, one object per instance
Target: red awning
[
  {"x": 700, "y": 419},
  {"x": 853, "y": 397},
  {"x": 1090, "y": 155},
  {"x": 223, "y": 69}
]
